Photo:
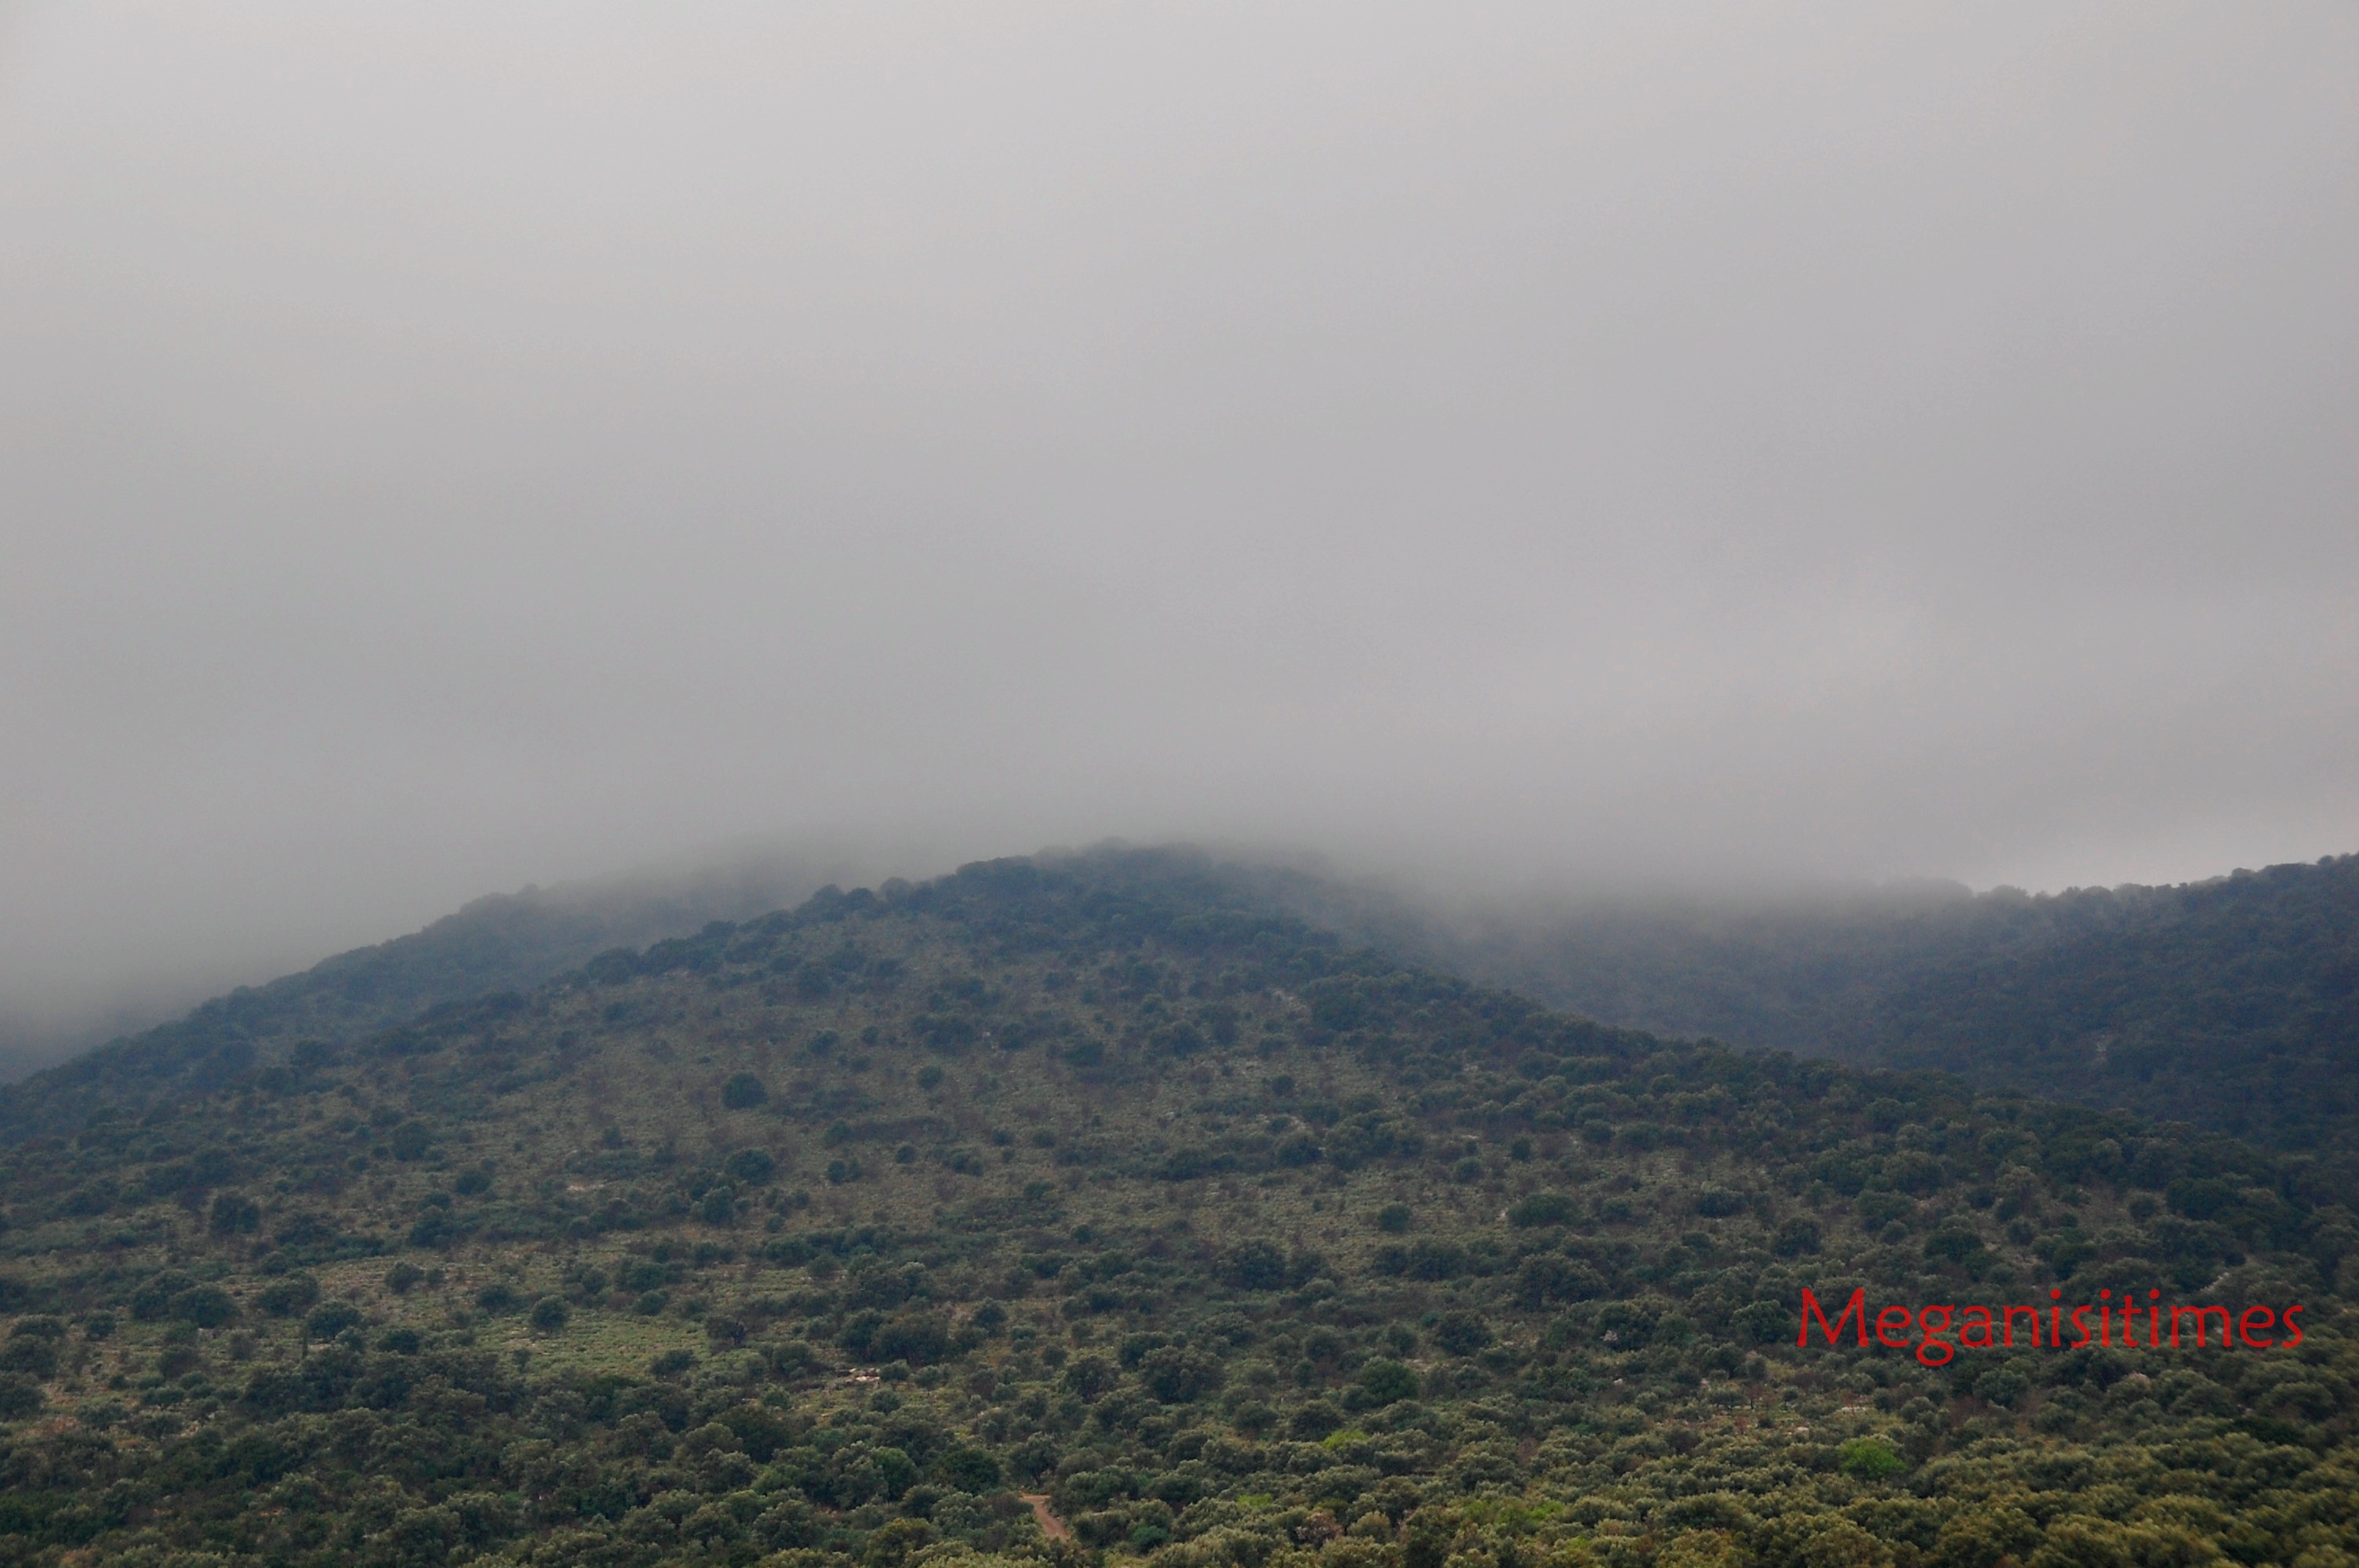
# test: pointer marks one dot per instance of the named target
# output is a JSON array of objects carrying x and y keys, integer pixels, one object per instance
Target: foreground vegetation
[{"x": 834, "y": 1236}]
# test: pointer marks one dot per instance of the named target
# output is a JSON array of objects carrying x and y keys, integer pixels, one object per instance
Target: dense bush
[{"x": 1533, "y": 1303}]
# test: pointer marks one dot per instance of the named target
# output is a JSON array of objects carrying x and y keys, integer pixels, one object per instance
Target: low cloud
[{"x": 450, "y": 450}]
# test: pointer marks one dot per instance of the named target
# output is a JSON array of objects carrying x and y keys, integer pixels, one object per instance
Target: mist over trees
[
  {"x": 1088, "y": 1209},
  {"x": 498, "y": 941},
  {"x": 1510, "y": 448},
  {"x": 2231, "y": 1004}
]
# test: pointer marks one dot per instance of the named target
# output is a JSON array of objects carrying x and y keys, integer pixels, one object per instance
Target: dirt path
[{"x": 1050, "y": 1525}]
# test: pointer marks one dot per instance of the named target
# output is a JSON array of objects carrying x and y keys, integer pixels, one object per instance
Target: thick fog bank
[{"x": 448, "y": 447}]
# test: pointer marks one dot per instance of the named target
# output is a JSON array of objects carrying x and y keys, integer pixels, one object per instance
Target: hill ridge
[
  {"x": 2231, "y": 1004},
  {"x": 498, "y": 942},
  {"x": 815, "y": 1239}
]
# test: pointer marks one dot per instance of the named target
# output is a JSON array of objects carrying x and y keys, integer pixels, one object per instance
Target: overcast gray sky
[{"x": 448, "y": 447}]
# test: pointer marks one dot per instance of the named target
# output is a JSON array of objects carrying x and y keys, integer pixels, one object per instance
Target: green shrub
[
  {"x": 1462, "y": 1333},
  {"x": 1871, "y": 1459},
  {"x": 20, "y": 1396},
  {"x": 1541, "y": 1208},
  {"x": 1387, "y": 1382},
  {"x": 330, "y": 1318},
  {"x": 749, "y": 1167}
]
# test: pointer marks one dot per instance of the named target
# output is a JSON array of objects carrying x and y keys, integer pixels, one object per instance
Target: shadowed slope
[{"x": 2232, "y": 1004}]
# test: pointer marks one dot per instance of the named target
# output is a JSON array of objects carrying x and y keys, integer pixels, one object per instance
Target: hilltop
[
  {"x": 829, "y": 1237},
  {"x": 2230, "y": 1004}
]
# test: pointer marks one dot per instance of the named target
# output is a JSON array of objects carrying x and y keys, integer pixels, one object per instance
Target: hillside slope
[
  {"x": 502, "y": 941},
  {"x": 2232, "y": 1004},
  {"x": 819, "y": 1238}
]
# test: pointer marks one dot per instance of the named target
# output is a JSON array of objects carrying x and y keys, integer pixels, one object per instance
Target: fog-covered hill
[
  {"x": 2232, "y": 1003},
  {"x": 830, "y": 1236},
  {"x": 502, "y": 942}
]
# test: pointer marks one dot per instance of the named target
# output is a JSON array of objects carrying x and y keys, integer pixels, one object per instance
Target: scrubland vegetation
[{"x": 838, "y": 1235}]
